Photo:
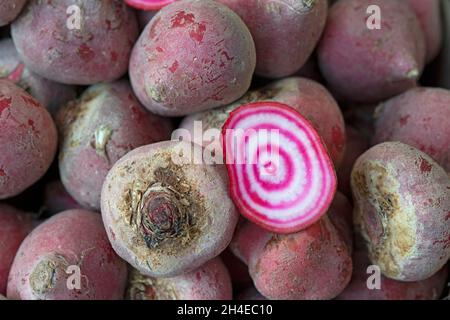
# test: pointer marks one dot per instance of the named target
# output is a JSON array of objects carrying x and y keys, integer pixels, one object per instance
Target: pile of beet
[{"x": 220, "y": 149}]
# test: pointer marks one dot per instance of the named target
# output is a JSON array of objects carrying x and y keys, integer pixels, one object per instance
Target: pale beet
[
  {"x": 28, "y": 140},
  {"x": 312, "y": 264},
  {"x": 402, "y": 210},
  {"x": 14, "y": 227},
  {"x": 49, "y": 93},
  {"x": 285, "y": 32},
  {"x": 211, "y": 281},
  {"x": 193, "y": 55},
  {"x": 367, "y": 65},
  {"x": 308, "y": 97},
  {"x": 97, "y": 130},
  {"x": 165, "y": 211},
  {"x": 92, "y": 47},
  {"x": 70, "y": 244},
  {"x": 420, "y": 118}
]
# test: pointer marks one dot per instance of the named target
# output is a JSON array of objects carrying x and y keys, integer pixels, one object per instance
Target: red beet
[
  {"x": 285, "y": 32},
  {"x": 193, "y": 55},
  {"x": 89, "y": 45},
  {"x": 209, "y": 282},
  {"x": 14, "y": 227},
  {"x": 49, "y": 257},
  {"x": 365, "y": 65},
  {"x": 97, "y": 130},
  {"x": 419, "y": 118},
  {"x": 28, "y": 140},
  {"x": 314, "y": 263},
  {"x": 50, "y": 94}
]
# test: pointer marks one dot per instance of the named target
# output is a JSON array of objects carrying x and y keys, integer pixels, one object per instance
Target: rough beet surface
[
  {"x": 28, "y": 140},
  {"x": 193, "y": 55},
  {"x": 211, "y": 281},
  {"x": 402, "y": 210},
  {"x": 285, "y": 32},
  {"x": 49, "y": 93},
  {"x": 97, "y": 50},
  {"x": 312, "y": 264},
  {"x": 165, "y": 211},
  {"x": 420, "y": 118},
  {"x": 97, "y": 130},
  {"x": 366, "y": 65},
  {"x": 14, "y": 227},
  {"x": 76, "y": 239}
]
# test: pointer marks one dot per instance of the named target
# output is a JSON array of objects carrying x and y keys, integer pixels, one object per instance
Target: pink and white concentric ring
[{"x": 281, "y": 176}]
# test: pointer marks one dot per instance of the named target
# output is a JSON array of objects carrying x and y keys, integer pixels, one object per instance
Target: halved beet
[
  {"x": 281, "y": 176},
  {"x": 148, "y": 4}
]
